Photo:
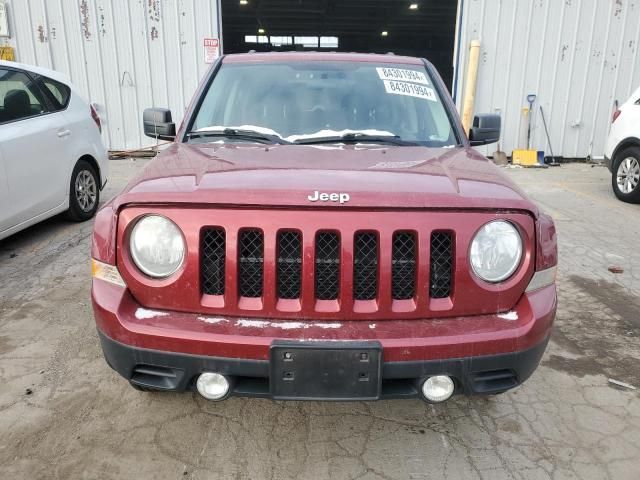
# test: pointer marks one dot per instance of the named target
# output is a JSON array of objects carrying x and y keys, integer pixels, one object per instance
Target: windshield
[{"x": 317, "y": 102}]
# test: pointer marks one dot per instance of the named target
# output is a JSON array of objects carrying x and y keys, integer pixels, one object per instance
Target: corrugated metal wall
[
  {"x": 578, "y": 56},
  {"x": 124, "y": 55}
]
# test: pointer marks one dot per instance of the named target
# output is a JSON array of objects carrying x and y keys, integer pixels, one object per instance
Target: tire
[
  {"x": 84, "y": 192},
  {"x": 625, "y": 175}
]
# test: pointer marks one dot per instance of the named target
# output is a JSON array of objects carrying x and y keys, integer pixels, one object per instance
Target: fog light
[
  {"x": 212, "y": 386},
  {"x": 438, "y": 388}
]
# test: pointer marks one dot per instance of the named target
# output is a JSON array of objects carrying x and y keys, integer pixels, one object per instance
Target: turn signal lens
[
  {"x": 106, "y": 272},
  {"x": 542, "y": 279}
]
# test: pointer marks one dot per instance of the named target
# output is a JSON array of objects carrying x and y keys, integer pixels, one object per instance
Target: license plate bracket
[{"x": 325, "y": 370}]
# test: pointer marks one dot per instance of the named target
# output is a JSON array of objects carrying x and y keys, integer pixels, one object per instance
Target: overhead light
[
  {"x": 384, "y": 33},
  {"x": 413, "y": 6},
  {"x": 261, "y": 31},
  {"x": 244, "y": 2}
]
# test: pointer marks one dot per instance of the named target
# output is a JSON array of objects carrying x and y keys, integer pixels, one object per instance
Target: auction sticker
[
  {"x": 401, "y": 74},
  {"x": 410, "y": 89}
]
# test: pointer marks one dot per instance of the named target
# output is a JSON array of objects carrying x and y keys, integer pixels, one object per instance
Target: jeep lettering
[{"x": 325, "y": 197}]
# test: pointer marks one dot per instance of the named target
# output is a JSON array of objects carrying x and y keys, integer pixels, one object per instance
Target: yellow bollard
[{"x": 470, "y": 85}]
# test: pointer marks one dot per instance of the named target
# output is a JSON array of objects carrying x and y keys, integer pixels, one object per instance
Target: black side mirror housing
[
  {"x": 158, "y": 124},
  {"x": 485, "y": 129}
]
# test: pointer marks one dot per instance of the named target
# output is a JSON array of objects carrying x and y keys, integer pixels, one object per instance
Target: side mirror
[
  {"x": 485, "y": 129},
  {"x": 158, "y": 124}
]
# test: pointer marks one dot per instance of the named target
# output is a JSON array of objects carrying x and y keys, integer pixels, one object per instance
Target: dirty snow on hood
[{"x": 144, "y": 314}]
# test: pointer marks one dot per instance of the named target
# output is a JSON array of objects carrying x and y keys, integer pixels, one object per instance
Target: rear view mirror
[
  {"x": 158, "y": 124},
  {"x": 485, "y": 129}
]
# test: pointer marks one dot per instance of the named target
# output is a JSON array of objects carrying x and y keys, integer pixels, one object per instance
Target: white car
[
  {"x": 622, "y": 153},
  {"x": 52, "y": 159}
]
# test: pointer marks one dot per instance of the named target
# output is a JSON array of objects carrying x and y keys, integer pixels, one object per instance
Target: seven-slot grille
[{"x": 327, "y": 265}]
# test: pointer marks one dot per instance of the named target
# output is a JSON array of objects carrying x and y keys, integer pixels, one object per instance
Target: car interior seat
[{"x": 17, "y": 105}]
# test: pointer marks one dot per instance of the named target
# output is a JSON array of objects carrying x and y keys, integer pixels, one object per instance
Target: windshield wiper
[
  {"x": 238, "y": 133},
  {"x": 355, "y": 138}
]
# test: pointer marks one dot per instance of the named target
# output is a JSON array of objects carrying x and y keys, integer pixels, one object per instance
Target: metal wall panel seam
[
  {"x": 550, "y": 112},
  {"x": 135, "y": 76},
  {"x": 84, "y": 63},
  {"x": 604, "y": 49},
  {"x": 195, "y": 34},
  {"x": 510, "y": 70},
  {"x": 64, "y": 42},
  {"x": 495, "y": 59},
  {"x": 31, "y": 36},
  {"x": 116, "y": 38},
  {"x": 565, "y": 113},
  {"x": 101, "y": 69},
  {"x": 585, "y": 77},
  {"x": 163, "y": 28},
  {"x": 619, "y": 57},
  {"x": 525, "y": 66},
  {"x": 541, "y": 57},
  {"x": 48, "y": 32},
  {"x": 635, "y": 83},
  {"x": 179, "y": 40},
  {"x": 147, "y": 34}
]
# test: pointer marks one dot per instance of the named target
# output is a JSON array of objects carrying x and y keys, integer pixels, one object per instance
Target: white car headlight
[
  {"x": 157, "y": 246},
  {"x": 496, "y": 251}
]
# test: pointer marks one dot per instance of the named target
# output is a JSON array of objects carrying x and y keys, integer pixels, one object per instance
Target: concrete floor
[{"x": 80, "y": 420}]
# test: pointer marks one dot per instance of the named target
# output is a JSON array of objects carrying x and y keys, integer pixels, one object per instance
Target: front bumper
[
  {"x": 156, "y": 370},
  {"x": 167, "y": 350}
]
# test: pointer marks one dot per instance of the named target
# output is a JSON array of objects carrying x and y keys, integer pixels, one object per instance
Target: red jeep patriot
[{"x": 322, "y": 229}]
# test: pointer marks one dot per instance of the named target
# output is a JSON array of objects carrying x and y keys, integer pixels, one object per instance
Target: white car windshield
[{"x": 321, "y": 102}]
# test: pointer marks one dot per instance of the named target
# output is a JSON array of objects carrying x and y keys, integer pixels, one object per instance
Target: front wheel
[
  {"x": 626, "y": 175},
  {"x": 84, "y": 192}
]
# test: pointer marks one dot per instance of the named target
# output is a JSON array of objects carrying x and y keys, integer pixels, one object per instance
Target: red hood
[{"x": 284, "y": 175}]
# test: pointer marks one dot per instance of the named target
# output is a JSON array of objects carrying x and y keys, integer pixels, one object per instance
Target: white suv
[
  {"x": 52, "y": 159},
  {"x": 622, "y": 153}
]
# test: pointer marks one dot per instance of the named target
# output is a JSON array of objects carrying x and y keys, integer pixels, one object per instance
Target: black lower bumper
[{"x": 158, "y": 370}]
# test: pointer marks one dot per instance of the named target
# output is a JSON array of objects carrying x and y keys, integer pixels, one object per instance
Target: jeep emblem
[{"x": 329, "y": 197}]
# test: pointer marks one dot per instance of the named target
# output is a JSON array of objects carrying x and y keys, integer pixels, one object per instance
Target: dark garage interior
[{"x": 423, "y": 28}]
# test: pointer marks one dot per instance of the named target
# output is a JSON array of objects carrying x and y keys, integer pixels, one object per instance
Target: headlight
[
  {"x": 157, "y": 246},
  {"x": 496, "y": 251}
]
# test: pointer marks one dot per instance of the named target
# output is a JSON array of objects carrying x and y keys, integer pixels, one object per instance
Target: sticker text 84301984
[
  {"x": 410, "y": 89},
  {"x": 402, "y": 74}
]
